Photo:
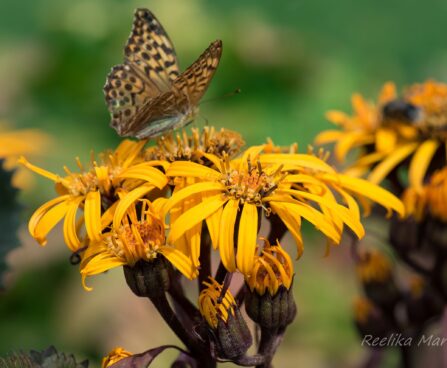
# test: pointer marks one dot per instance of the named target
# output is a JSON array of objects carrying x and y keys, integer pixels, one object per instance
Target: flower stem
[
  {"x": 205, "y": 257},
  {"x": 191, "y": 341},
  {"x": 270, "y": 340}
]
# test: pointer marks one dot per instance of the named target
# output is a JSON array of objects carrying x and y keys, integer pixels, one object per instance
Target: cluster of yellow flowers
[
  {"x": 189, "y": 194},
  {"x": 137, "y": 203}
]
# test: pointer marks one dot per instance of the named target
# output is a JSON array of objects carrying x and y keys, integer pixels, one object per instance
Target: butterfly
[{"x": 147, "y": 95}]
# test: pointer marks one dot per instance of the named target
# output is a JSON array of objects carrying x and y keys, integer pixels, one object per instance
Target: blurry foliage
[
  {"x": 293, "y": 60},
  {"x": 9, "y": 218},
  {"x": 48, "y": 358}
]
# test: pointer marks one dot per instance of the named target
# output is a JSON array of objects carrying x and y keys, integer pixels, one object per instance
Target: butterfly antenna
[{"x": 230, "y": 94}]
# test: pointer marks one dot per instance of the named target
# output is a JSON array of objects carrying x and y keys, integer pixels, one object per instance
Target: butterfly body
[{"x": 147, "y": 95}]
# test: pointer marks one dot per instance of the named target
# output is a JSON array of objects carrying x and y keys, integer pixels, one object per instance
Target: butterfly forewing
[
  {"x": 150, "y": 51},
  {"x": 195, "y": 80},
  {"x": 146, "y": 95}
]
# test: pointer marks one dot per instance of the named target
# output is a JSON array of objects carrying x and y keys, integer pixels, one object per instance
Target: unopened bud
[
  {"x": 227, "y": 327},
  {"x": 148, "y": 278},
  {"x": 376, "y": 275},
  {"x": 269, "y": 300}
]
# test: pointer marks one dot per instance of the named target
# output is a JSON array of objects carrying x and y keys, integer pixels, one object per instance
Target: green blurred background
[{"x": 293, "y": 60}]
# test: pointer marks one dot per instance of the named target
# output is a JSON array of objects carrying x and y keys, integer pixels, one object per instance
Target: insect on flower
[{"x": 147, "y": 95}]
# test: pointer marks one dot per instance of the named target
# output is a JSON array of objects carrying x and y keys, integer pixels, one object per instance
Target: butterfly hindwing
[{"x": 124, "y": 92}]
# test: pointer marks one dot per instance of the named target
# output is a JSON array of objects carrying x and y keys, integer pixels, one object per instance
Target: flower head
[
  {"x": 183, "y": 147},
  {"x": 390, "y": 140},
  {"x": 430, "y": 199},
  {"x": 374, "y": 267},
  {"x": 96, "y": 189},
  {"x": 139, "y": 236},
  {"x": 234, "y": 193},
  {"x": 272, "y": 269},
  {"x": 115, "y": 356},
  {"x": 14, "y": 143}
]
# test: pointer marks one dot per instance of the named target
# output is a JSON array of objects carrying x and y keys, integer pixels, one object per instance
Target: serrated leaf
[{"x": 48, "y": 358}]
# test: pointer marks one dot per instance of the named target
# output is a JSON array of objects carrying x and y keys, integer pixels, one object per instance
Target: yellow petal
[
  {"x": 193, "y": 235},
  {"x": 107, "y": 217},
  {"x": 337, "y": 117},
  {"x": 368, "y": 190},
  {"x": 45, "y": 219},
  {"x": 293, "y": 224},
  {"x": 388, "y": 164},
  {"x": 420, "y": 162},
  {"x": 296, "y": 160},
  {"x": 387, "y": 93},
  {"x": 193, "y": 189},
  {"x": 195, "y": 216},
  {"x": 226, "y": 234},
  {"x": 250, "y": 153},
  {"x": 70, "y": 228},
  {"x": 192, "y": 169},
  {"x": 147, "y": 173},
  {"x": 213, "y": 158},
  {"x": 213, "y": 223},
  {"x": 127, "y": 201},
  {"x": 350, "y": 141},
  {"x": 130, "y": 150},
  {"x": 180, "y": 261},
  {"x": 102, "y": 173},
  {"x": 247, "y": 237},
  {"x": 298, "y": 209},
  {"x": 22, "y": 160},
  {"x": 328, "y": 136},
  {"x": 92, "y": 213},
  {"x": 386, "y": 139}
]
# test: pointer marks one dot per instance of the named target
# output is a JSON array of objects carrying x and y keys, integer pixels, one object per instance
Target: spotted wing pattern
[
  {"x": 195, "y": 80},
  {"x": 147, "y": 95}
]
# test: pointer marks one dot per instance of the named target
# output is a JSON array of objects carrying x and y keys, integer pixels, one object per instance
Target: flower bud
[
  {"x": 422, "y": 303},
  {"x": 376, "y": 275},
  {"x": 114, "y": 356},
  {"x": 227, "y": 327},
  {"x": 148, "y": 278},
  {"x": 270, "y": 302},
  {"x": 369, "y": 319}
]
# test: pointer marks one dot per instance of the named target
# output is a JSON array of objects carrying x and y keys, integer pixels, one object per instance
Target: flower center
[
  {"x": 190, "y": 147},
  {"x": 251, "y": 185},
  {"x": 81, "y": 184},
  {"x": 139, "y": 240}
]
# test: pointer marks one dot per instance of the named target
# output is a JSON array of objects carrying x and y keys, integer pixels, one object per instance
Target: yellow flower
[
  {"x": 14, "y": 143},
  {"x": 374, "y": 267},
  {"x": 114, "y": 356},
  {"x": 388, "y": 142},
  {"x": 237, "y": 191},
  {"x": 272, "y": 269},
  {"x": 431, "y": 97},
  {"x": 183, "y": 147},
  {"x": 213, "y": 309},
  {"x": 139, "y": 236},
  {"x": 95, "y": 189},
  {"x": 431, "y": 198}
]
